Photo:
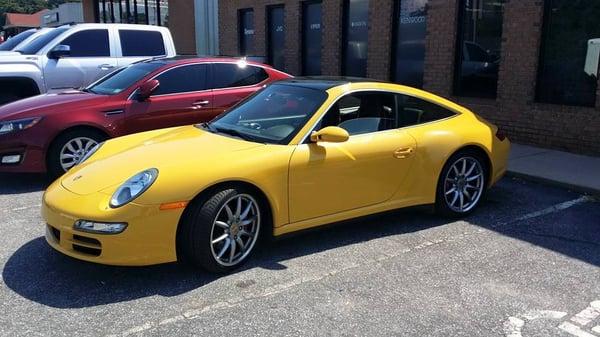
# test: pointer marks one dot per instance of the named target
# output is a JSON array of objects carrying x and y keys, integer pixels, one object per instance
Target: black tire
[
  {"x": 55, "y": 169},
  {"x": 442, "y": 205},
  {"x": 8, "y": 97},
  {"x": 195, "y": 232}
]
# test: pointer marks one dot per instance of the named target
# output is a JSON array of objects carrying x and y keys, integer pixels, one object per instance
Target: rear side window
[
  {"x": 89, "y": 43},
  {"x": 233, "y": 75},
  {"x": 182, "y": 79},
  {"x": 141, "y": 43},
  {"x": 414, "y": 111}
]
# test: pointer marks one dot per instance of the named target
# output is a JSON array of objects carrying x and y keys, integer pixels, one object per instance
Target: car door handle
[
  {"x": 403, "y": 152},
  {"x": 200, "y": 104},
  {"x": 105, "y": 66}
]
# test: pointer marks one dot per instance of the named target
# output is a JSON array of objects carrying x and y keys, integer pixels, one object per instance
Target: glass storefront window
[
  {"x": 276, "y": 39},
  {"x": 153, "y": 12},
  {"x": 311, "y": 38},
  {"x": 410, "y": 26},
  {"x": 246, "y": 31},
  {"x": 479, "y": 45},
  {"x": 356, "y": 37},
  {"x": 568, "y": 68}
]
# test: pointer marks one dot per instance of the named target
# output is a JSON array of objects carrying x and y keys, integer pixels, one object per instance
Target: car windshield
[
  {"x": 273, "y": 115},
  {"x": 15, "y": 40},
  {"x": 39, "y": 42},
  {"x": 123, "y": 78}
]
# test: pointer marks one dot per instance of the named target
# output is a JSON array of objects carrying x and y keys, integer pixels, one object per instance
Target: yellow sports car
[{"x": 300, "y": 153}]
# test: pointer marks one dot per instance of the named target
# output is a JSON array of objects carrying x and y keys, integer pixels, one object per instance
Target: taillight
[{"x": 500, "y": 135}]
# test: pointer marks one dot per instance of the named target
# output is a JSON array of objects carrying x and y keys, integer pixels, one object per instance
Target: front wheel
[
  {"x": 68, "y": 149},
  {"x": 219, "y": 234},
  {"x": 461, "y": 184}
]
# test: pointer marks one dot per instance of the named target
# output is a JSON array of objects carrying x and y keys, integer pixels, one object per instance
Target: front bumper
[
  {"x": 500, "y": 154},
  {"x": 150, "y": 237},
  {"x": 31, "y": 158}
]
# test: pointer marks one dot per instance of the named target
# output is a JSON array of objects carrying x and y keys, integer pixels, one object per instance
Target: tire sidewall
[{"x": 441, "y": 205}]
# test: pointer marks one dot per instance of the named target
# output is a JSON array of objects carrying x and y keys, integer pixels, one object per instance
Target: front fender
[{"x": 30, "y": 71}]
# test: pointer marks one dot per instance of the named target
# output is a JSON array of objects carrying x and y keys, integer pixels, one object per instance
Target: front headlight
[
  {"x": 90, "y": 152},
  {"x": 17, "y": 125},
  {"x": 133, "y": 188}
]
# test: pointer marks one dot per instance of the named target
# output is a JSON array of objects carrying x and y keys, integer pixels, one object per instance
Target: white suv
[{"x": 75, "y": 56}]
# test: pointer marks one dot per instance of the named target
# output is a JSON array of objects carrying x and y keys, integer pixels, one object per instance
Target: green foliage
[{"x": 19, "y": 6}]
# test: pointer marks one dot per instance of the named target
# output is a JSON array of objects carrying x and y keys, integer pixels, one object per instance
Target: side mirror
[
  {"x": 59, "y": 51},
  {"x": 146, "y": 89},
  {"x": 331, "y": 134}
]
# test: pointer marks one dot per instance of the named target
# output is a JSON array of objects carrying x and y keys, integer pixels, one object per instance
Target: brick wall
[{"x": 573, "y": 129}]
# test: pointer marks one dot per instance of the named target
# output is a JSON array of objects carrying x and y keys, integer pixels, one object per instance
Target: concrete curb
[{"x": 542, "y": 180}]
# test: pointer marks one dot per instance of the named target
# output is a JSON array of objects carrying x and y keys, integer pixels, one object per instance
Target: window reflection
[
  {"x": 356, "y": 33},
  {"x": 246, "y": 31},
  {"x": 311, "y": 38},
  {"x": 568, "y": 71},
  {"x": 154, "y": 12},
  {"x": 410, "y": 31},
  {"x": 479, "y": 44}
]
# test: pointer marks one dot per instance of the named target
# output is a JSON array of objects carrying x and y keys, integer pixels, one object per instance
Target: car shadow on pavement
[
  {"x": 38, "y": 273},
  {"x": 18, "y": 183}
]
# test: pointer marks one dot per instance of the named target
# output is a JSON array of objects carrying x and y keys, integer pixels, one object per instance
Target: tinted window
[
  {"x": 276, "y": 37},
  {"x": 478, "y": 49},
  {"x": 362, "y": 112},
  {"x": 141, "y": 43},
  {"x": 123, "y": 78},
  {"x": 233, "y": 75},
  {"x": 246, "y": 27},
  {"x": 41, "y": 41},
  {"x": 182, "y": 79},
  {"x": 88, "y": 43},
  {"x": 568, "y": 71},
  {"x": 413, "y": 111},
  {"x": 409, "y": 49},
  {"x": 15, "y": 40},
  {"x": 273, "y": 115},
  {"x": 311, "y": 38},
  {"x": 356, "y": 36}
]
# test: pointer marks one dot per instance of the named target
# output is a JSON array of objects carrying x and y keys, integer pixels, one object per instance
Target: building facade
[{"x": 530, "y": 66}]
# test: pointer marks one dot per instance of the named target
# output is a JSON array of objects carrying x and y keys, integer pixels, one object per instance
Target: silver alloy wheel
[
  {"x": 74, "y": 150},
  {"x": 463, "y": 184},
  {"x": 235, "y": 230}
]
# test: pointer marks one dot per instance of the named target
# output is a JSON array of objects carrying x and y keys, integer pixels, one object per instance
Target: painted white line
[
  {"x": 513, "y": 327},
  {"x": 574, "y": 330},
  {"x": 596, "y": 329},
  {"x": 588, "y": 314},
  {"x": 556, "y": 208}
]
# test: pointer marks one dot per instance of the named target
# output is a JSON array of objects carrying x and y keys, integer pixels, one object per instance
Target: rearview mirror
[
  {"x": 331, "y": 134},
  {"x": 59, "y": 51},
  {"x": 146, "y": 90}
]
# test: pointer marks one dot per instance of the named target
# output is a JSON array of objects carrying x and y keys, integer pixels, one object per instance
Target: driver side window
[
  {"x": 362, "y": 112},
  {"x": 89, "y": 43}
]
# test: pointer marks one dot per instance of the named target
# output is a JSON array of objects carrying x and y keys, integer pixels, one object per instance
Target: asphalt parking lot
[{"x": 527, "y": 263}]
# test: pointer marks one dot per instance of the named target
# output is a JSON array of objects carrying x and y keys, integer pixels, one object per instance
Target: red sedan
[{"x": 53, "y": 132}]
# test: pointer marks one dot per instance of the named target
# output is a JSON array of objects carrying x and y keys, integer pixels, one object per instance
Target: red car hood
[{"x": 43, "y": 105}]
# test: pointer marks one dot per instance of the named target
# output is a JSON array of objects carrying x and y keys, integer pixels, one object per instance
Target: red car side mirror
[{"x": 146, "y": 89}]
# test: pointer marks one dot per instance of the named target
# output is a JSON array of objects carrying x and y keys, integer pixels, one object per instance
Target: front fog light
[
  {"x": 11, "y": 159},
  {"x": 99, "y": 227}
]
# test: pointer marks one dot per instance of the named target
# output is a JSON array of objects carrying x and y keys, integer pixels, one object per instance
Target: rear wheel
[
  {"x": 219, "y": 233},
  {"x": 70, "y": 147},
  {"x": 462, "y": 184}
]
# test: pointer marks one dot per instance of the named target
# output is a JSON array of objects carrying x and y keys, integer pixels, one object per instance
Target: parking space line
[
  {"x": 574, "y": 330},
  {"x": 588, "y": 314}
]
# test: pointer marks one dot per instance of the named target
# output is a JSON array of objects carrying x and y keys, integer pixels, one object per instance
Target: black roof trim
[{"x": 326, "y": 82}]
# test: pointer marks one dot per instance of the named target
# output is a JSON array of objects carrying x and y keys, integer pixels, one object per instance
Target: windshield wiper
[
  {"x": 207, "y": 126},
  {"x": 233, "y": 132}
]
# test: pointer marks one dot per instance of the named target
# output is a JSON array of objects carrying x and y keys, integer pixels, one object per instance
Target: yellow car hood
[{"x": 121, "y": 158}]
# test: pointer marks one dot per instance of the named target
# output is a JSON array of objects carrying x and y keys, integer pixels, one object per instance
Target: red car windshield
[{"x": 122, "y": 79}]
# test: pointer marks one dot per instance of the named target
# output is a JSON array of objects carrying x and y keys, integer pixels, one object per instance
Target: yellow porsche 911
[{"x": 298, "y": 154}]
